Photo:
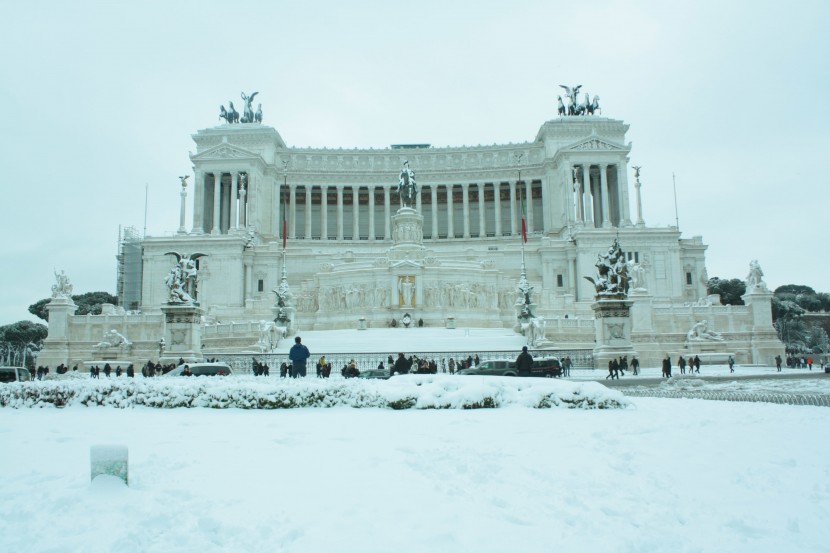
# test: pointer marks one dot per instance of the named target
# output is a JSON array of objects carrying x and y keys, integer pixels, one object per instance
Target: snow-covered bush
[{"x": 403, "y": 392}]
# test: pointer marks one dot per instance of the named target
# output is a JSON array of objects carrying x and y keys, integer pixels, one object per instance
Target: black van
[{"x": 547, "y": 367}]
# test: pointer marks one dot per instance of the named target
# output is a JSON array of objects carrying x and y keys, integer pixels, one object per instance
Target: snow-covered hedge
[{"x": 400, "y": 392}]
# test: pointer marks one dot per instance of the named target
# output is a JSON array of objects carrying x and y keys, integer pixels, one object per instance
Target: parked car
[
  {"x": 545, "y": 366},
  {"x": 374, "y": 374},
  {"x": 201, "y": 369},
  {"x": 14, "y": 374}
]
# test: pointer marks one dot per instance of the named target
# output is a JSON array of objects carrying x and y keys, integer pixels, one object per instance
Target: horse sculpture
[
  {"x": 561, "y": 106},
  {"x": 593, "y": 106},
  {"x": 407, "y": 189}
]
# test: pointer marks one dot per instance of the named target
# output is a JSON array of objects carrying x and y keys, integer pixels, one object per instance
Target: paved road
[{"x": 810, "y": 388}]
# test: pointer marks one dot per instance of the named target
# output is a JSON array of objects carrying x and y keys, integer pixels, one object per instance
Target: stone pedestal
[
  {"x": 182, "y": 333},
  {"x": 56, "y": 345},
  {"x": 407, "y": 235},
  {"x": 612, "y": 319},
  {"x": 764, "y": 343}
]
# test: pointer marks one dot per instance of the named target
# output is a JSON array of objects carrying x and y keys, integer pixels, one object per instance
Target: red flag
[
  {"x": 284, "y": 223},
  {"x": 524, "y": 219}
]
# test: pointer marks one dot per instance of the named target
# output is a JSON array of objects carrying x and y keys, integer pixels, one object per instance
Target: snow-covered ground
[
  {"x": 673, "y": 475},
  {"x": 668, "y": 475}
]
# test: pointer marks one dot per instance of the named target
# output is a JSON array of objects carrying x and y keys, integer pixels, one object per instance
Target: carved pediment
[
  {"x": 224, "y": 151},
  {"x": 595, "y": 144}
]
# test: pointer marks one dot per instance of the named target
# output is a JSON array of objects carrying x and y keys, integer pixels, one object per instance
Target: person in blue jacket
[{"x": 298, "y": 355}]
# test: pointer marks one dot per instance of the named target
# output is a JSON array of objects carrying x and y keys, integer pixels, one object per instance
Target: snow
[
  {"x": 394, "y": 340},
  {"x": 660, "y": 475}
]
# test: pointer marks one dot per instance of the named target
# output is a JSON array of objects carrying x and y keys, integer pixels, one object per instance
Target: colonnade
[
  {"x": 363, "y": 208},
  {"x": 221, "y": 202},
  {"x": 601, "y": 198}
]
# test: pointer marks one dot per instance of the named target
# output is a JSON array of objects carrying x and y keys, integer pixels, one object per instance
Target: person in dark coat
[
  {"x": 131, "y": 371},
  {"x": 401, "y": 365},
  {"x": 731, "y": 364},
  {"x": 667, "y": 366},
  {"x": 681, "y": 364},
  {"x": 524, "y": 362},
  {"x": 697, "y": 364},
  {"x": 298, "y": 354}
]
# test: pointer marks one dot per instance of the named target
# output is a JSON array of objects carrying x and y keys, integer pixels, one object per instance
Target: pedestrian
[
  {"x": 667, "y": 366},
  {"x": 611, "y": 369},
  {"x": 635, "y": 365},
  {"x": 681, "y": 364},
  {"x": 731, "y": 364},
  {"x": 298, "y": 355},
  {"x": 697, "y": 364},
  {"x": 452, "y": 365},
  {"x": 778, "y": 363},
  {"x": 524, "y": 362},
  {"x": 401, "y": 365}
]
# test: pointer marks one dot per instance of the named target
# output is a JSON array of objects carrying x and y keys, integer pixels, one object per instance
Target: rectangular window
[
  {"x": 260, "y": 285},
  {"x": 560, "y": 281},
  {"x": 688, "y": 279}
]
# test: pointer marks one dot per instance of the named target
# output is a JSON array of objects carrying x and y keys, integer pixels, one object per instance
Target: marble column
[
  {"x": 465, "y": 200},
  {"x": 217, "y": 201},
  {"x": 183, "y": 230},
  {"x": 433, "y": 191},
  {"x": 529, "y": 204},
  {"x": 199, "y": 203},
  {"x": 622, "y": 188},
  {"x": 372, "y": 212},
  {"x": 355, "y": 213},
  {"x": 603, "y": 184},
  {"x": 482, "y": 230},
  {"x": 248, "y": 262},
  {"x": 280, "y": 211},
  {"x": 339, "y": 212},
  {"x": 513, "y": 218},
  {"x": 307, "y": 230},
  {"x": 450, "y": 223},
  {"x": 587, "y": 204},
  {"x": 418, "y": 202},
  {"x": 640, "y": 221},
  {"x": 497, "y": 206},
  {"x": 234, "y": 200},
  {"x": 324, "y": 212},
  {"x": 576, "y": 187},
  {"x": 292, "y": 219},
  {"x": 243, "y": 205},
  {"x": 387, "y": 213}
]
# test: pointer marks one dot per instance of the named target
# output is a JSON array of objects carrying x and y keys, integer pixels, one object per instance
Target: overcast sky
[{"x": 100, "y": 100}]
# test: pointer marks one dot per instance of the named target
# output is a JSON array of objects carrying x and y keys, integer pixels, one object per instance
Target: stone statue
[
  {"x": 113, "y": 339},
  {"x": 248, "y": 112},
  {"x": 405, "y": 287},
  {"x": 755, "y": 278},
  {"x": 182, "y": 279},
  {"x": 258, "y": 114},
  {"x": 269, "y": 336},
  {"x": 560, "y": 106},
  {"x": 571, "y": 94},
  {"x": 62, "y": 287},
  {"x": 700, "y": 333},
  {"x": 637, "y": 275},
  {"x": 612, "y": 281},
  {"x": 534, "y": 330},
  {"x": 407, "y": 188}
]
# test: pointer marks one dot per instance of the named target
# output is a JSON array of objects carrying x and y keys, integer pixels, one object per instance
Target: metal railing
[{"x": 242, "y": 363}]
